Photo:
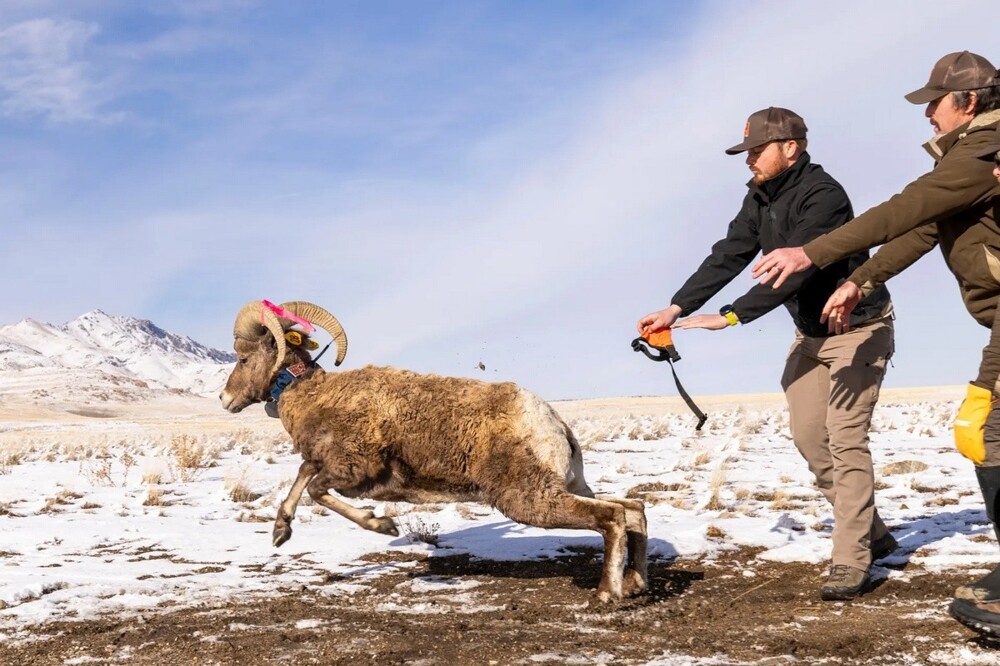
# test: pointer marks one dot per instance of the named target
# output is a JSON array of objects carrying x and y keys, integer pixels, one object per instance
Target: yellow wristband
[{"x": 731, "y": 318}]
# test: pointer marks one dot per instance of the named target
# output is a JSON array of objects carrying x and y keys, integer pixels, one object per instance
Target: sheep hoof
[
  {"x": 633, "y": 583},
  {"x": 281, "y": 535},
  {"x": 384, "y": 526},
  {"x": 605, "y": 596}
]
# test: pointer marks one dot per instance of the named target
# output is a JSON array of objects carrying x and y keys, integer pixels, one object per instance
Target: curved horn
[
  {"x": 254, "y": 320},
  {"x": 324, "y": 320}
]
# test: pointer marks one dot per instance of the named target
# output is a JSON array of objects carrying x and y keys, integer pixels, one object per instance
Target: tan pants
[{"x": 832, "y": 385}]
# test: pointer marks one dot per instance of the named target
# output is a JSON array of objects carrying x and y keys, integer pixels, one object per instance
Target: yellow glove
[{"x": 970, "y": 421}]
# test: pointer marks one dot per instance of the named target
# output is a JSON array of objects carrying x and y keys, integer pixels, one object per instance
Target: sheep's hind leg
[
  {"x": 636, "y": 566},
  {"x": 286, "y": 512},
  {"x": 319, "y": 491},
  {"x": 568, "y": 511}
]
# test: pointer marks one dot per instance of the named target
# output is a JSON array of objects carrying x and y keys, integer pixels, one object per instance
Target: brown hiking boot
[
  {"x": 845, "y": 582},
  {"x": 984, "y": 618},
  {"x": 884, "y": 546},
  {"x": 984, "y": 590}
]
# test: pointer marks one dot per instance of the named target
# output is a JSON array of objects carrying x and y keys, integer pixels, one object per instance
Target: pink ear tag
[{"x": 282, "y": 312}]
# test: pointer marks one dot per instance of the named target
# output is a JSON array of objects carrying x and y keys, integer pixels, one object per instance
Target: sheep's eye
[{"x": 243, "y": 361}]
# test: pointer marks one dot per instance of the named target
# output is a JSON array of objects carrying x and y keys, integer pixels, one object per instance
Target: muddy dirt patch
[{"x": 458, "y": 610}]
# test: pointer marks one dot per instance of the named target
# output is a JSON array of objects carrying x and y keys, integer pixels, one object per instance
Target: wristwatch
[{"x": 727, "y": 312}]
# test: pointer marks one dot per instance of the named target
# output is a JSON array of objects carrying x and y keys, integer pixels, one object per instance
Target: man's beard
[{"x": 760, "y": 179}]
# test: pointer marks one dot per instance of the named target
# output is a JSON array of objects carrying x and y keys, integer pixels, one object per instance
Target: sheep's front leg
[
  {"x": 319, "y": 491},
  {"x": 286, "y": 512}
]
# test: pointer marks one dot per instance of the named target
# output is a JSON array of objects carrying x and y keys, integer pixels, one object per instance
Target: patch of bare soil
[{"x": 529, "y": 613}]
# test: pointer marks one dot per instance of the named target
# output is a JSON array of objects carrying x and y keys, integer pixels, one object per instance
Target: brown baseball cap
[
  {"x": 956, "y": 72},
  {"x": 767, "y": 125}
]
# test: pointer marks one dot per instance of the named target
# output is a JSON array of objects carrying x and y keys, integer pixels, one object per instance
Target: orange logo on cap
[{"x": 746, "y": 130}]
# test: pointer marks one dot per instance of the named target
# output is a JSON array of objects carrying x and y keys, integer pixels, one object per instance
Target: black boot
[
  {"x": 984, "y": 618},
  {"x": 987, "y": 588}
]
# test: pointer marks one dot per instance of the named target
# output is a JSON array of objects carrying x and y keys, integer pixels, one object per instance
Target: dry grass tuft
[
  {"x": 782, "y": 501},
  {"x": 64, "y": 497},
  {"x": 714, "y": 532},
  {"x": 51, "y": 505},
  {"x": 154, "y": 497},
  {"x": 239, "y": 488},
  {"x": 921, "y": 488},
  {"x": 641, "y": 490},
  {"x": 101, "y": 471},
  {"x": 188, "y": 458},
  {"x": 244, "y": 495},
  {"x": 9, "y": 459},
  {"x": 416, "y": 529},
  {"x": 981, "y": 538},
  {"x": 714, "y": 503},
  {"x": 719, "y": 476},
  {"x": 97, "y": 472},
  {"x": 702, "y": 458},
  {"x": 251, "y": 517}
]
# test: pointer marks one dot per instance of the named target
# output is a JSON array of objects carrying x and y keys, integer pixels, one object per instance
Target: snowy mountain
[{"x": 117, "y": 347}]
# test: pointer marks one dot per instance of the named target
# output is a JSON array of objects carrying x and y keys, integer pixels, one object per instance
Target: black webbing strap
[{"x": 669, "y": 354}]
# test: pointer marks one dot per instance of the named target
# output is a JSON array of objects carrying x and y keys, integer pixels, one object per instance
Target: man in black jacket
[{"x": 831, "y": 382}]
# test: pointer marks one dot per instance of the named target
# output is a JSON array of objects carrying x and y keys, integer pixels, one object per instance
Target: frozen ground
[{"x": 139, "y": 508}]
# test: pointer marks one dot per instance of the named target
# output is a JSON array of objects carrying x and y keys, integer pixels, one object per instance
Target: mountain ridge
[{"x": 117, "y": 346}]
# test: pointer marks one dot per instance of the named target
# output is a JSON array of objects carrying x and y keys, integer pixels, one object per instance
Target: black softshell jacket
[{"x": 789, "y": 210}]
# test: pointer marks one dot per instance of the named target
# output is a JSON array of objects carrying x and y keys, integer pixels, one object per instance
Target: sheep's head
[{"x": 262, "y": 351}]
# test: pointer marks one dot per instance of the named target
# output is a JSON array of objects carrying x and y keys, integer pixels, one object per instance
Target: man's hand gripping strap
[{"x": 663, "y": 343}]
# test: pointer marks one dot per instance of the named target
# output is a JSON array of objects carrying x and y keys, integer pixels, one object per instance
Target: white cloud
[{"x": 43, "y": 72}]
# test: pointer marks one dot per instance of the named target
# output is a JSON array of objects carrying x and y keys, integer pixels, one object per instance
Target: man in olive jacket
[
  {"x": 954, "y": 206},
  {"x": 831, "y": 382}
]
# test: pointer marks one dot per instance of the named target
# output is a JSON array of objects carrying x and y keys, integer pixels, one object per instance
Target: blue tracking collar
[{"x": 284, "y": 379}]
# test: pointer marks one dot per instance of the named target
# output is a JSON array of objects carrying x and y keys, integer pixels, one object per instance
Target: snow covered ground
[{"x": 148, "y": 506}]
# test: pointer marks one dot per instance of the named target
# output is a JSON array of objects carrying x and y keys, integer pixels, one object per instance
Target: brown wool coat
[{"x": 955, "y": 206}]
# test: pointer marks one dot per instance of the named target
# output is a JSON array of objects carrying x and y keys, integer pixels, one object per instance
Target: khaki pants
[{"x": 832, "y": 385}]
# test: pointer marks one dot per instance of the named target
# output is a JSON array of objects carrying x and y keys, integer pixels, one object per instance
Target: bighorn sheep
[{"x": 393, "y": 435}]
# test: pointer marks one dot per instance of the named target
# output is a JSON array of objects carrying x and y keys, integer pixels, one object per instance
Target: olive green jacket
[{"x": 956, "y": 206}]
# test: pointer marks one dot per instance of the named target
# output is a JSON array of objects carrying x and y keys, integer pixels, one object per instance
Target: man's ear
[
  {"x": 791, "y": 148},
  {"x": 971, "y": 106}
]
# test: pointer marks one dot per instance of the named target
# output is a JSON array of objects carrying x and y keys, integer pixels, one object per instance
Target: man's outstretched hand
[
  {"x": 840, "y": 305},
  {"x": 781, "y": 264},
  {"x": 657, "y": 321}
]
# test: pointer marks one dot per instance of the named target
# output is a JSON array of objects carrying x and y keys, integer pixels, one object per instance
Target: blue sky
[{"x": 459, "y": 182}]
